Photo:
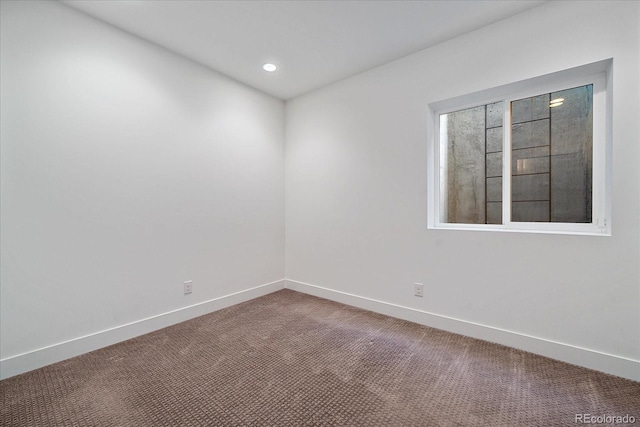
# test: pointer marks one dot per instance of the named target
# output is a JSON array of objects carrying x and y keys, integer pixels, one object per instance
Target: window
[{"x": 531, "y": 156}]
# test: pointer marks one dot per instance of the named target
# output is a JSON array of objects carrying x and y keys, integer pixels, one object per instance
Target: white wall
[
  {"x": 356, "y": 221},
  {"x": 126, "y": 170}
]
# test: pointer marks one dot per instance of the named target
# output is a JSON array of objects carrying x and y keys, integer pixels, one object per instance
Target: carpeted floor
[{"x": 290, "y": 359}]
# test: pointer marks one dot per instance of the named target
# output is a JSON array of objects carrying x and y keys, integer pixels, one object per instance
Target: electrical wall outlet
[
  {"x": 418, "y": 289},
  {"x": 188, "y": 287}
]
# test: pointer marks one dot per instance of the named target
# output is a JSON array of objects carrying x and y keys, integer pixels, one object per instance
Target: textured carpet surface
[{"x": 289, "y": 359}]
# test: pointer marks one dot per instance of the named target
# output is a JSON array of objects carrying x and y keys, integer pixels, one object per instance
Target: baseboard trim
[
  {"x": 31, "y": 360},
  {"x": 608, "y": 363}
]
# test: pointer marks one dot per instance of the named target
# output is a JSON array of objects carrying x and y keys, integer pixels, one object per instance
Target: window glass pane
[
  {"x": 471, "y": 165},
  {"x": 551, "y": 157},
  {"x": 536, "y": 161}
]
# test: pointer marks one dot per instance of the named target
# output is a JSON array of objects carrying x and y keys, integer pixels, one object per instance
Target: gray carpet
[{"x": 290, "y": 359}]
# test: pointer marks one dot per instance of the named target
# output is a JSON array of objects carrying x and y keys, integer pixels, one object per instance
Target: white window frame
[{"x": 599, "y": 75}]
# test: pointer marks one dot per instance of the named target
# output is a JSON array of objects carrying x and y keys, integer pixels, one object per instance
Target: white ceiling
[{"x": 314, "y": 43}]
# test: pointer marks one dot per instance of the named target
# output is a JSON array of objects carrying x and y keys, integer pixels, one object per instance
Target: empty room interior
[{"x": 320, "y": 212}]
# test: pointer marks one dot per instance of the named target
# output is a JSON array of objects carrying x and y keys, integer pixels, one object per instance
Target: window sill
[{"x": 587, "y": 230}]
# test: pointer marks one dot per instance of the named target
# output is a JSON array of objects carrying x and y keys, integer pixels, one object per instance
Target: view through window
[
  {"x": 551, "y": 159},
  {"x": 533, "y": 157}
]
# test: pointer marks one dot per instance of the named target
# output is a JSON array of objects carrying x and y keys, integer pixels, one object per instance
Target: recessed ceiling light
[{"x": 269, "y": 67}]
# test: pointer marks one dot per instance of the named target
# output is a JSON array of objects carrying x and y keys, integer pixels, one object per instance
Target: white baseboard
[
  {"x": 609, "y": 363},
  {"x": 21, "y": 363}
]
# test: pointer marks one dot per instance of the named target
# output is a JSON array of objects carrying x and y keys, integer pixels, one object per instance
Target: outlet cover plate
[
  {"x": 418, "y": 289},
  {"x": 188, "y": 287}
]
